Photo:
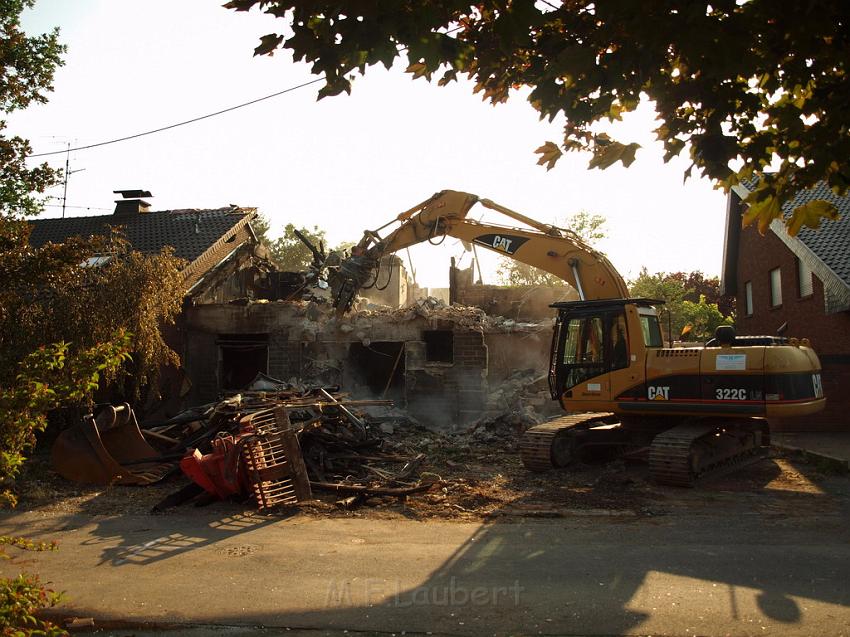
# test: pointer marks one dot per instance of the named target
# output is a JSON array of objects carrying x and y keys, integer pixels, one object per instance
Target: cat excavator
[{"x": 700, "y": 411}]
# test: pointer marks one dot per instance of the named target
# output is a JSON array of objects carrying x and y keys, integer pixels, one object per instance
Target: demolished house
[
  {"x": 436, "y": 361},
  {"x": 273, "y": 371}
]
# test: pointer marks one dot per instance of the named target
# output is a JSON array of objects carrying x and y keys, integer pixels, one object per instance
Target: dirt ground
[{"x": 478, "y": 476}]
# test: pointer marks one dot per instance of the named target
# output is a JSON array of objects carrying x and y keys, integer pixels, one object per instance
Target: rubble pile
[
  {"x": 461, "y": 315},
  {"x": 520, "y": 401},
  {"x": 276, "y": 444},
  {"x": 318, "y": 317}
]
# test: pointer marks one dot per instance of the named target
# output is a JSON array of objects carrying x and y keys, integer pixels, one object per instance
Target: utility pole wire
[
  {"x": 188, "y": 121},
  {"x": 207, "y": 116}
]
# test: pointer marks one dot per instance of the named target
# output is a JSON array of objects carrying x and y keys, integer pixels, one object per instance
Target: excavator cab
[{"x": 598, "y": 346}]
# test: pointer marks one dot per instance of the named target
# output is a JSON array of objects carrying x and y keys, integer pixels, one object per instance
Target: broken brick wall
[
  {"x": 519, "y": 302},
  {"x": 433, "y": 366},
  {"x": 391, "y": 286},
  {"x": 511, "y": 352}
]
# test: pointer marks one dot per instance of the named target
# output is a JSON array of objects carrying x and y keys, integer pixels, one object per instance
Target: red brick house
[{"x": 802, "y": 282}]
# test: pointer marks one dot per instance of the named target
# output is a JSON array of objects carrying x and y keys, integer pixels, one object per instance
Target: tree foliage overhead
[{"x": 741, "y": 86}]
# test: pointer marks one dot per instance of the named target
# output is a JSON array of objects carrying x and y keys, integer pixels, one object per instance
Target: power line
[
  {"x": 207, "y": 116},
  {"x": 188, "y": 121}
]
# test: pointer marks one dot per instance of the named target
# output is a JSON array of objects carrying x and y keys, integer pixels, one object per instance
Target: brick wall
[
  {"x": 284, "y": 355},
  {"x": 828, "y": 333},
  {"x": 519, "y": 302},
  {"x": 441, "y": 394},
  {"x": 470, "y": 367}
]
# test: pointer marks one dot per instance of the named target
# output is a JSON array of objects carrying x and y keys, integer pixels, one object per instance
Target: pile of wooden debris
[{"x": 273, "y": 442}]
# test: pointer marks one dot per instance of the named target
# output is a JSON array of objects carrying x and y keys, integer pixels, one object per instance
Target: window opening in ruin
[
  {"x": 377, "y": 369},
  {"x": 241, "y": 357},
  {"x": 439, "y": 346}
]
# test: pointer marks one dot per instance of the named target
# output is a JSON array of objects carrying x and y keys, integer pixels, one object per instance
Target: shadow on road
[{"x": 747, "y": 551}]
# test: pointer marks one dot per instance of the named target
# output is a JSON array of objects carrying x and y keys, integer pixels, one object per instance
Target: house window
[
  {"x": 775, "y": 288},
  {"x": 748, "y": 298},
  {"x": 804, "y": 279},
  {"x": 241, "y": 358},
  {"x": 439, "y": 346}
]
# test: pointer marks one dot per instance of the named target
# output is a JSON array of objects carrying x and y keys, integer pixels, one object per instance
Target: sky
[{"x": 344, "y": 164}]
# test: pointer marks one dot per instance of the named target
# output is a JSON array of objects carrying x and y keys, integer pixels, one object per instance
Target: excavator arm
[{"x": 554, "y": 250}]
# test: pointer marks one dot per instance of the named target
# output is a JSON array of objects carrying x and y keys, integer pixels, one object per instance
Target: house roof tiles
[
  {"x": 190, "y": 232},
  {"x": 831, "y": 242}
]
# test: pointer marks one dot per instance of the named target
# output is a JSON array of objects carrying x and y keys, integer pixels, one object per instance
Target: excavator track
[
  {"x": 550, "y": 444},
  {"x": 707, "y": 448}
]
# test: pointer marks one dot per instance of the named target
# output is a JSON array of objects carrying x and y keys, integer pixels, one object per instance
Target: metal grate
[
  {"x": 276, "y": 470},
  {"x": 677, "y": 353}
]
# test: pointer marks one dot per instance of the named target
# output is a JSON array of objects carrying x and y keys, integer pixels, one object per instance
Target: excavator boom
[{"x": 555, "y": 250}]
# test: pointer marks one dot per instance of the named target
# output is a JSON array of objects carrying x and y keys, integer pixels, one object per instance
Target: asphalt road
[{"x": 743, "y": 574}]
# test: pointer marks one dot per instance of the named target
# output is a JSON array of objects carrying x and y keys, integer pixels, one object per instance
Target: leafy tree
[
  {"x": 743, "y": 86},
  {"x": 589, "y": 229},
  {"x": 64, "y": 309},
  {"x": 27, "y": 64},
  {"x": 50, "y": 376},
  {"x": 697, "y": 284},
  {"x": 50, "y": 294},
  {"x": 290, "y": 253},
  {"x": 702, "y": 319},
  {"x": 683, "y": 305}
]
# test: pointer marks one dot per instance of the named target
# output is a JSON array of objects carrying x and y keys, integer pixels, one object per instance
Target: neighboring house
[
  {"x": 209, "y": 240},
  {"x": 802, "y": 282},
  {"x": 224, "y": 260}
]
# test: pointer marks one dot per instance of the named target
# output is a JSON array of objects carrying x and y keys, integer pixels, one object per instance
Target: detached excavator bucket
[{"x": 108, "y": 448}]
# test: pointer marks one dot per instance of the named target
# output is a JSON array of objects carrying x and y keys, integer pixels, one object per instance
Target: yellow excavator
[{"x": 700, "y": 411}]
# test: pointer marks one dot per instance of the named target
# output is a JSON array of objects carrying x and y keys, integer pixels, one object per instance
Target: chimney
[{"x": 132, "y": 202}]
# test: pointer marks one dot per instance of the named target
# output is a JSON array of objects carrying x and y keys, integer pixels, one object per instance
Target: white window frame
[
  {"x": 776, "y": 287},
  {"x": 748, "y": 298},
  {"x": 805, "y": 279}
]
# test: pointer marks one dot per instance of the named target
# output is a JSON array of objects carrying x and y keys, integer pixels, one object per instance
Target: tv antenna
[{"x": 68, "y": 173}]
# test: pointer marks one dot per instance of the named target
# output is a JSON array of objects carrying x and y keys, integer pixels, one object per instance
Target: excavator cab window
[
  {"x": 587, "y": 345},
  {"x": 650, "y": 327},
  {"x": 619, "y": 343}
]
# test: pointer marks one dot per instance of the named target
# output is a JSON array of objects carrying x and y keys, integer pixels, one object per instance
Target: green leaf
[
  {"x": 268, "y": 44},
  {"x": 810, "y": 214},
  {"x": 549, "y": 153},
  {"x": 763, "y": 211}
]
